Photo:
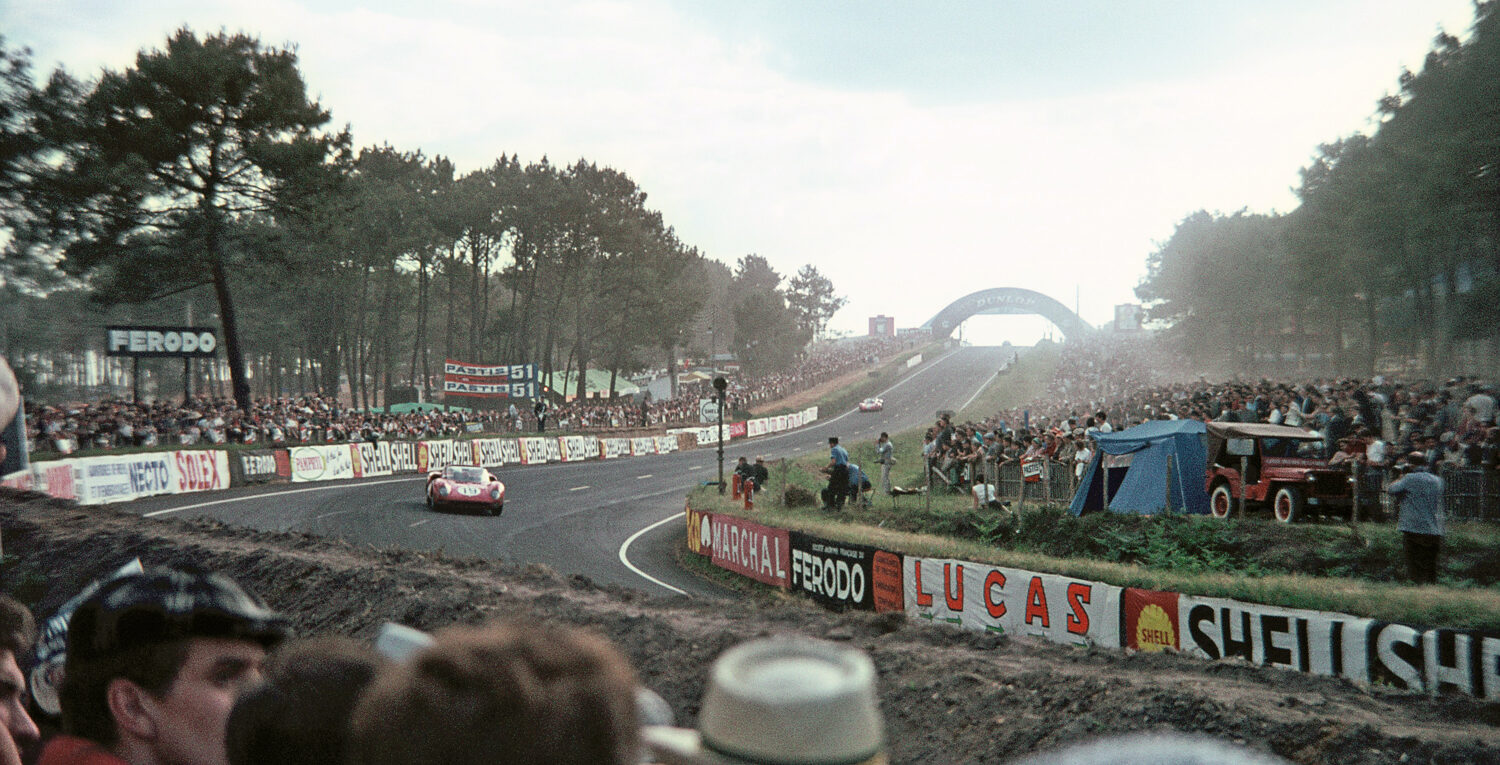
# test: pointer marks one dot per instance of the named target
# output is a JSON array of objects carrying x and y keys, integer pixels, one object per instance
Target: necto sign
[{"x": 193, "y": 342}]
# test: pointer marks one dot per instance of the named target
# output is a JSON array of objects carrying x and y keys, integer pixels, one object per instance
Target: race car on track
[
  {"x": 872, "y": 404},
  {"x": 464, "y": 487}
]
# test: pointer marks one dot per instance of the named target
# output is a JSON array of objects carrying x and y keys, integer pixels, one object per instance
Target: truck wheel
[
  {"x": 1288, "y": 504},
  {"x": 1221, "y": 501}
]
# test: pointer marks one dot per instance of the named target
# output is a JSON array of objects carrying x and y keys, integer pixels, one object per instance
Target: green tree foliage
[
  {"x": 810, "y": 296},
  {"x": 1393, "y": 255},
  {"x": 156, "y": 166},
  {"x": 199, "y": 179}
]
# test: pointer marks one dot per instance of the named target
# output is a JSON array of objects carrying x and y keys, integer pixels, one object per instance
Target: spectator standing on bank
[
  {"x": 760, "y": 474},
  {"x": 885, "y": 455},
  {"x": 746, "y": 473},
  {"x": 540, "y": 409},
  {"x": 838, "y": 475},
  {"x": 1419, "y": 494}
]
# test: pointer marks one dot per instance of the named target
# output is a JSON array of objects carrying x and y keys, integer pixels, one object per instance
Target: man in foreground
[
  {"x": 17, "y": 632},
  {"x": 154, "y": 664}
]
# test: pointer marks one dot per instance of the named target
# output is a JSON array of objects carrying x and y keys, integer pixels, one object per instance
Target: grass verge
[{"x": 1325, "y": 567}]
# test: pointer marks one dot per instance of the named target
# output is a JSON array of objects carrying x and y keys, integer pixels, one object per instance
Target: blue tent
[{"x": 1135, "y": 467}]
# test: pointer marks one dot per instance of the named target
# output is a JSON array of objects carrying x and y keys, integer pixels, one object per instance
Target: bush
[{"x": 796, "y": 496}]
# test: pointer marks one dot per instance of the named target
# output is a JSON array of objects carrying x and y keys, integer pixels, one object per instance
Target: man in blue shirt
[
  {"x": 1419, "y": 494},
  {"x": 838, "y": 475}
]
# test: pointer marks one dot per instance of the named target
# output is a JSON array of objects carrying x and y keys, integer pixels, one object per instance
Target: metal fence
[{"x": 1472, "y": 493}]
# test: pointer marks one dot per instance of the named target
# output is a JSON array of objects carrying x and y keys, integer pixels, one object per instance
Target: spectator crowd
[
  {"x": 1107, "y": 384},
  {"x": 103, "y": 425}
]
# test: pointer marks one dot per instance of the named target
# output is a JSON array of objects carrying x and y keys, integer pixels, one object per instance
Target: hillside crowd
[
  {"x": 1107, "y": 384},
  {"x": 105, "y": 425}
]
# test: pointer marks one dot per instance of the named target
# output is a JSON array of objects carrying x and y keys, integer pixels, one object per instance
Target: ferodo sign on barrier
[
  {"x": 1010, "y": 601},
  {"x": 263, "y": 465},
  {"x": 843, "y": 575},
  {"x": 1337, "y": 645},
  {"x": 750, "y": 549}
]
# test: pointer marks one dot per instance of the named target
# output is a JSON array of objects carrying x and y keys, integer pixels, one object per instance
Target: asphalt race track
[{"x": 613, "y": 521}]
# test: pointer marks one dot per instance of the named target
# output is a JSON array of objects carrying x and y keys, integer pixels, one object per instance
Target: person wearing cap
[
  {"x": 154, "y": 664},
  {"x": 1419, "y": 495},
  {"x": 18, "y": 733},
  {"x": 785, "y": 700}
]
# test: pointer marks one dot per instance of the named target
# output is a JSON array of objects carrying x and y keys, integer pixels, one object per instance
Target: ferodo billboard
[
  {"x": 149, "y": 342},
  {"x": 844, "y": 575}
]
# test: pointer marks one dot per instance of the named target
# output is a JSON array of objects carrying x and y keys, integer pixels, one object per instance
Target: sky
[{"x": 914, "y": 152}]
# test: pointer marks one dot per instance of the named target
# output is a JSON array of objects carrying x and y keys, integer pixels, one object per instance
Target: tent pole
[{"x": 1168, "y": 506}]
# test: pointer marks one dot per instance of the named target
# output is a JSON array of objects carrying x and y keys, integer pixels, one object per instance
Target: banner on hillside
[
  {"x": 489, "y": 381},
  {"x": 263, "y": 465},
  {"x": 1338, "y": 645},
  {"x": 979, "y": 596},
  {"x": 840, "y": 575},
  {"x": 750, "y": 549}
]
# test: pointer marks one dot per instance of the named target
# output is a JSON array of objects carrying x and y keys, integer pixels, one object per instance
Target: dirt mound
[{"x": 949, "y": 696}]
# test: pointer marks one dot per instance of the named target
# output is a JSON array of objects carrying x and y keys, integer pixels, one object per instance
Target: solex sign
[{"x": 196, "y": 342}]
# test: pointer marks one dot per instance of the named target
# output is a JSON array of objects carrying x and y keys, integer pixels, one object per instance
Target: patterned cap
[{"x": 165, "y": 604}]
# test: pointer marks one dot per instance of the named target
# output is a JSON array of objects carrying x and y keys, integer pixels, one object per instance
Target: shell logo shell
[{"x": 1154, "y": 631}]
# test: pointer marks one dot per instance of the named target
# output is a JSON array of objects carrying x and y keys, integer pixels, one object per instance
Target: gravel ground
[{"x": 948, "y": 696}]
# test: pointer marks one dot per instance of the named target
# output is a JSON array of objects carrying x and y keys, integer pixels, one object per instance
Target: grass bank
[{"x": 1356, "y": 570}]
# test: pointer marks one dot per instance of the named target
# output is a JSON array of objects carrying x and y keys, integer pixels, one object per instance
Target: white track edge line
[
  {"x": 625, "y": 549},
  {"x": 249, "y": 497}
]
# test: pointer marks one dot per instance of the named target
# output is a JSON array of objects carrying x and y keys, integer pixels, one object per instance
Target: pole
[
  {"x": 1244, "y": 467},
  {"x": 721, "y": 442},
  {"x": 1168, "y": 505},
  {"x": 135, "y": 380}
]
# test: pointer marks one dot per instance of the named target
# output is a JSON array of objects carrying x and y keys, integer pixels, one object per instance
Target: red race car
[{"x": 464, "y": 487}]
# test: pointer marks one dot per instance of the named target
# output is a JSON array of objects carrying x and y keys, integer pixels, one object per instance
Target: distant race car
[
  {"x": 872, "y": 404},
  {"x": 464, "y": 487}
]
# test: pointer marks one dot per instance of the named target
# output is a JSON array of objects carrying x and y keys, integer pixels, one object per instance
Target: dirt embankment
[{"x": 948, "y": 696}]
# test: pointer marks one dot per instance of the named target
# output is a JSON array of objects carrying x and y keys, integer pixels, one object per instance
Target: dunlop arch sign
[{"x": 1007, "y": 300}]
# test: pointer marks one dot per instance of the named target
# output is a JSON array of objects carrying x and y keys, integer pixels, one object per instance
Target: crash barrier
[
  {"x": 1010, "y": 601},
  {"x": 121, "y": 478}
]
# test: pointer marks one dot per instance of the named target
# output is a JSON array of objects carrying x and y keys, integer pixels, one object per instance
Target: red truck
[{"x": 1280, "y": 471}]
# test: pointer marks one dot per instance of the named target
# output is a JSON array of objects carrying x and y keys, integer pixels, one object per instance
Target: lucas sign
[{"x": 147, "y": 342}]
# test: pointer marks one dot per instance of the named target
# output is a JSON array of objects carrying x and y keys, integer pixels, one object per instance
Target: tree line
[
  {"x": 202, "y": 183},
  {"x": 1392, "y": 257}
]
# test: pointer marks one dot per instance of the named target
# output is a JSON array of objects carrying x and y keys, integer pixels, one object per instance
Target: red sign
[
  {"x": 750, "y": 549},
  {"x": 1150, "y": 620},
  {"x": 886, "y": 584},
  {"x": 738, "y": 430}
]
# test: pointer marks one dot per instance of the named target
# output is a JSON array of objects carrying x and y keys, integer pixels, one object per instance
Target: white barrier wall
[
  {"x": 989, "y": 598},
  {"x": 330, "y": 462}
]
